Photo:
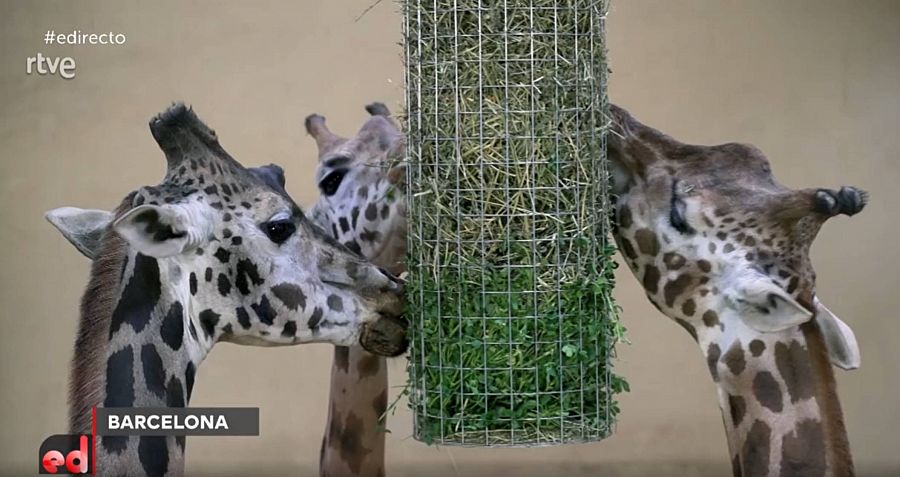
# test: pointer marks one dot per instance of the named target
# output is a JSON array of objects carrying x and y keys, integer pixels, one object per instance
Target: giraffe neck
[
  {"x": 779, "y": 403},
  {"x": 353, "y": 444},
  {"x": 354, "y": 440},
  {"x": 136, "y": 347}
]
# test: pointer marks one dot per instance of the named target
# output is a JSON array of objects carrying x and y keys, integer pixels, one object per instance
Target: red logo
[{"x": 66, "y": 454}]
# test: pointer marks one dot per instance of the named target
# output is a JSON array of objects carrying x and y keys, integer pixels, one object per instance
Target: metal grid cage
[{"x": 510, "y": 288}]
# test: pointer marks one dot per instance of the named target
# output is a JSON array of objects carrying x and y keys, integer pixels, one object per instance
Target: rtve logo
[{"x": 66, "y": 454}]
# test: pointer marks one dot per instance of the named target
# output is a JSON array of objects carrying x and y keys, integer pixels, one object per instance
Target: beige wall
[{"x": 815, "y": 84}]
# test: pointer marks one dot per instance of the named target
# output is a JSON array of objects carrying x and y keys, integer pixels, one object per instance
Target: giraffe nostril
[
  {"x": 826, "y": 202},
  {"x": 390, "y": 276},
  {"x": 851, "y": 200}
]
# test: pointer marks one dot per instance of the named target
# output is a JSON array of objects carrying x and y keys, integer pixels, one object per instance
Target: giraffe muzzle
[
  {"x": 847, "y": 201},
  {"x": 385, "y": 336}
]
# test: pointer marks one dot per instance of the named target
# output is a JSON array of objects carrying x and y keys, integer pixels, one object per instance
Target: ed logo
[{"x": 66, "y": 454}]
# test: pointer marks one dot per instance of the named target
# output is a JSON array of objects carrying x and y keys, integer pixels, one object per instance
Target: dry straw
[{"x": 511, "y": 275}]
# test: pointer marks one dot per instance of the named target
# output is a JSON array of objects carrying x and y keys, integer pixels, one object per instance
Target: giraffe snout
[
  {"x": 382, "y": 292},
  {"x": 385, "y": 336},
  {"x": 847, "y": 201},
  {"x": 392, "y": 299}
]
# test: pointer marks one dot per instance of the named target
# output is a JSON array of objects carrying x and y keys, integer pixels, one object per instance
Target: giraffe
[
  {"x": 723, "y": 249},
  {"x": 361, "y": 205},
  {"x": 215, "y": 252},
  {"x": 720, "y": 248}
]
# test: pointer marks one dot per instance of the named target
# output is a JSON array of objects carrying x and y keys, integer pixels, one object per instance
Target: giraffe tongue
[{"x": 385, "y": 336}]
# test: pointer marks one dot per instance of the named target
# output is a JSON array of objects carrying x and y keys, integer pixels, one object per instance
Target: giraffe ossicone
[
  {"x": 722, "y": 248},
  {"x": 215, "y": 252}
]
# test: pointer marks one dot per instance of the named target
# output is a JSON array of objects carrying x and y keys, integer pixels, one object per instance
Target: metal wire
[{"x": 513, "y": 325}]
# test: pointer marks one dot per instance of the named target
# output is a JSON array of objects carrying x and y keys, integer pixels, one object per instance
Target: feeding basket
[{"x": 513, "y": 324}]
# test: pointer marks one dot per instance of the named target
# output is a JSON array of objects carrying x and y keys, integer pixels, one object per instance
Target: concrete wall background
[{"x": 815, "y": 84}]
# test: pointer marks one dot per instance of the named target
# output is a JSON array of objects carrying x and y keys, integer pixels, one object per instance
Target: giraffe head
[
  {"x": 360, "y": 180},
  {"x": 718, "y": 244},
  {"x": 234, "y": 250}
]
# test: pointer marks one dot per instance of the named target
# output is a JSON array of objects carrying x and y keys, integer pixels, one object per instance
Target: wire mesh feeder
[{"x": 511, "y": 275}]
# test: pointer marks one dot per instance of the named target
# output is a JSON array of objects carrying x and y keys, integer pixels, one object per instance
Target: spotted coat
[
  {"x": 722, "y": 249},
  {"x": 215, "y": 252}
]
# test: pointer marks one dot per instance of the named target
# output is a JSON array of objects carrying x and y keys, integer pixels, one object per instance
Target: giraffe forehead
[
  {"x": 230, "y": 196},
  {"x": 722, "y": 163},
  {"x": 351, "y": 155}
]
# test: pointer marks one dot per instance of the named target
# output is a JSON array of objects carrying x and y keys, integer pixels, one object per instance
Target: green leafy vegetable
[{"x": 511, "y": 270}]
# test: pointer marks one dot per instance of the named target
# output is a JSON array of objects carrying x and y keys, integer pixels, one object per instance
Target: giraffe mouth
[{"x": 385, "y": 336}]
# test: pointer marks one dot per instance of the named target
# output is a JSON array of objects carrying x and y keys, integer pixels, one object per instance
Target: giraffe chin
[{"x": 385, "y": 336}]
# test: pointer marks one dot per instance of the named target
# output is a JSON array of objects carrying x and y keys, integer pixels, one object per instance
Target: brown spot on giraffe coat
[
  {"x": 803, "y": 451},
  {"x": 767, "y": 391},
  {"x": 624, "y": 221},
  {"x": 712, "y": 360},
  {"x": 342, "y": 357},
  {"x": 627, "y": 248},
  {"x": 352, "y": 450},
  {"x": 651, "y": 278},
  {"x": 738, "y": 407},
  {"x": 673, "y": 260},
  {"x": 710, "y": 318},
  {"x": 795, "y": 369},
  {"x": 368, "y": 366},
  {"x": 689, "y": 307},
  {"x": 734, "y": 358},
  {"x": 736, "y": 466},
  {"x": 755, "y": 451},
  {"x": 673, "y": 289},
  {"x": 647, "y": 242},
  {"x": 334, "y": 427},
  {"x": 757, "y": 347},
  {"x": 792, "y": 284},
  {"x": 380, "y": 403}
]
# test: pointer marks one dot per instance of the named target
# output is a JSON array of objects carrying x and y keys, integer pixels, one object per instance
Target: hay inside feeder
[{"x": 511, "y": 270}]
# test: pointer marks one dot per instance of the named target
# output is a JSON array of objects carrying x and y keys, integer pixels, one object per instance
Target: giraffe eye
[
  {"x": 279, "y": 230},
  {"x": 676, "y": 217},
  {"x": 330, "y": 184},
  {"x": 677, "y": 212}
]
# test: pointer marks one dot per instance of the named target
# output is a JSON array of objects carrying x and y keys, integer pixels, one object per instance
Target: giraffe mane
[
  {"x": 97, "y": 303},
  {"x": 839, "y": 459}
]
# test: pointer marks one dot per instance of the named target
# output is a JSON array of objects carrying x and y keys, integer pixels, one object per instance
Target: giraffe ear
[
  {"x": 396, "y": 158},
  {"x": 164, "y": 230},
  {"x": 82, "y": 227},
  {"x": 765, "y": 306},
  {"x": 843, "y": 350}
]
